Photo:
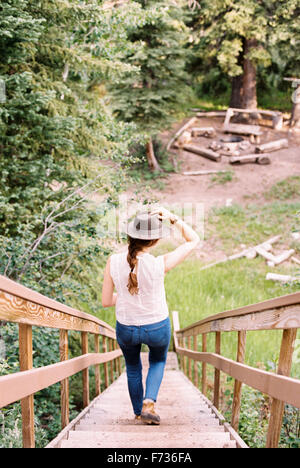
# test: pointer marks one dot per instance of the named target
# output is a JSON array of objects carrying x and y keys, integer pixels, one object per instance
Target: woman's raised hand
[{"x": 162, "y": 213}]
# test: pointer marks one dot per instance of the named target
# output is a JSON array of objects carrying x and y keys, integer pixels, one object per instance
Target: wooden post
[
  {"x": 115, "y": 360},
  {"x": 284, "y": 368},
  {"x": 110, "y": 344},
  {"x": 184, "y": 357},
  {"x": 189, "y": 345},
  {"x": 236, "y": 406},
  {"x": 64, "y": 385},
  {"x": 97, "y": 367},
  {"x": 104, "y": 347},
  {"x": 85, "y": 372},
  {"x": 196, "y": 379},
  {"x": 204, "y": 349},
  {"x": 217, "y": 372},
  {"x": 119, "y": 360},
  {"x": 27, "y": 406}
]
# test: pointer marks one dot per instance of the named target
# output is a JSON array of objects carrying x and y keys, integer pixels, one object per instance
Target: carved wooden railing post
[
  {"x": 284, "y": 368},
  {"x": 85, "y": 372},
  {"x": 238, "y": 385},
  {"x": 64, "y": 385},
  {"x": 27, "y": 405}
]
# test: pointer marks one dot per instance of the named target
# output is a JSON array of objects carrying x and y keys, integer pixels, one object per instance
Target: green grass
[{"x": 288, "y": 188}]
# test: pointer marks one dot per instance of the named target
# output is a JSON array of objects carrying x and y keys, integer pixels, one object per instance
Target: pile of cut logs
[
  {"x": 232, "y": 147},
  {"x": 265, "y": 250}
]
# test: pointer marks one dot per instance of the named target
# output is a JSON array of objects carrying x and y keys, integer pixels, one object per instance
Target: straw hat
[{"x": 147, "y": 226}]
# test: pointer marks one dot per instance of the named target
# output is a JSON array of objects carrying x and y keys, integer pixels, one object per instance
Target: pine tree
[
  {"x": 240, "y": 35},
  {"x": 153, "y": 97},
  {"x": 55, "y": 129}
]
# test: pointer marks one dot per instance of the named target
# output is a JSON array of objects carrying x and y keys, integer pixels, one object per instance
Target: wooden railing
[
  {"x": 29, "y": 308},
  {"x": 279, "y": 313}
]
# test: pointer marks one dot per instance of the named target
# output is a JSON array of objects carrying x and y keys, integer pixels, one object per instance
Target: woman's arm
[
  {"x": 192, "y": 239},
  {"x": 108, "y": 296}
]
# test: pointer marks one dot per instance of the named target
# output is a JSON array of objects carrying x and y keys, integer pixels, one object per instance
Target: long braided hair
[{"x": 134, "y": 247}]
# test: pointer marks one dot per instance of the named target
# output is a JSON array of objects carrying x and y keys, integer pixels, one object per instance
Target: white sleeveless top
[{"x": 149, "y": 305}]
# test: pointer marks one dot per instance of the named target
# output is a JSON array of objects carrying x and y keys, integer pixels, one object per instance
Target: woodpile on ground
[
  {"x": 237, "y": 148},
  {"x": 266, "y": 250}
]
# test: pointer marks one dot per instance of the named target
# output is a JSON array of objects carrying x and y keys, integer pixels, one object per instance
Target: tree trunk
[
  {"x": 236, "y": 99},
  {"x": 295, "y": 119},
  {"x": 249, "y": 77},
  {"x": 152, "y": 161}
]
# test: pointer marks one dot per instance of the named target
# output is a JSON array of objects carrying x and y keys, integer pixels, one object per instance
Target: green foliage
[
  {"x": 221, "y": 28},
  {"x": 153, "y": 96}
]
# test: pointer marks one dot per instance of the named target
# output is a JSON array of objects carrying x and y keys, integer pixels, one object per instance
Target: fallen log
[
  {"x": 203, "y": 131},
  {"x": 282, "y": 278},
  {"x": 244, "y": 253},
  {"x": 284, "y": 256},
  {"x": 184, "y": 138},
  {"x": 192, "y": 173},
  {"x": 180, "y": 131},
  {"x": 272, "y": 146},
  {"x": 209, "y": 154},
  {"x": 250, "y": 158},
  {"x": 295, "y": 260},
  {"x": 210, "y": 113}
]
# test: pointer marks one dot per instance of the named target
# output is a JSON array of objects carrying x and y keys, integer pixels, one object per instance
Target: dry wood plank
[
  {"x": 277, "y": 386},
  {"x": 180, "y": 131},
  {"x": 284, "y": 368},
  {"x": 237, "y": 393},
  {"x": 85, "y": 372},
  {"x": 23, "y": 305},
  {"x": 217, "y": 372},
  {"x": 242, "y": 129},
  {"x": 27, "y": 404},
  {"x": 64, "y": 385},
  {"x": 272, "y": 319},
  {"x": 234, "y": 436},
  {"x": 206, "y": 153},
  {"x": 184, "y": 358},
  {"x": 17, "y": 386},
  {"x": 272, "y": 146},
  {"x": 97, "y": 367}
]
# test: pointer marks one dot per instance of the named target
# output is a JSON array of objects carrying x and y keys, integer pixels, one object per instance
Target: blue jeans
[{"x": 130, "y": 338}]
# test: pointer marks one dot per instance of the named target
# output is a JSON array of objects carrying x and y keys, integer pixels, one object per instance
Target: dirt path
[{"x": 249, "y": 180}]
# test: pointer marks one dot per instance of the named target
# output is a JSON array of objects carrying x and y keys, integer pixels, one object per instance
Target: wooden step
[
  {"x": 177, "y": 420},
  {"x": 91, "y": 439},
  {"x": 148, "y": 429}
]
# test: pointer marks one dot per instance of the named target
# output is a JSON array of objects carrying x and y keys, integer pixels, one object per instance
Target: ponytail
[{"x": 134, "y": 247}]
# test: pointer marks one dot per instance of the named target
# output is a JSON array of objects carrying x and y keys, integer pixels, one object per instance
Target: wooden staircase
[{"x": 188, "y": 419}]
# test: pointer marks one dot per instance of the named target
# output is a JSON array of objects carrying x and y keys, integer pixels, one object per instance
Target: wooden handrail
[
  {"x": 26, "y": 307},
  {"x": 275, "y": 308},
  {"x": 279, "y": 313}
]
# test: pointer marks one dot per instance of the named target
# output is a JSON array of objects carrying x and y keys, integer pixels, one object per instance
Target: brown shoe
[{"x": 148, "y": 414}]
